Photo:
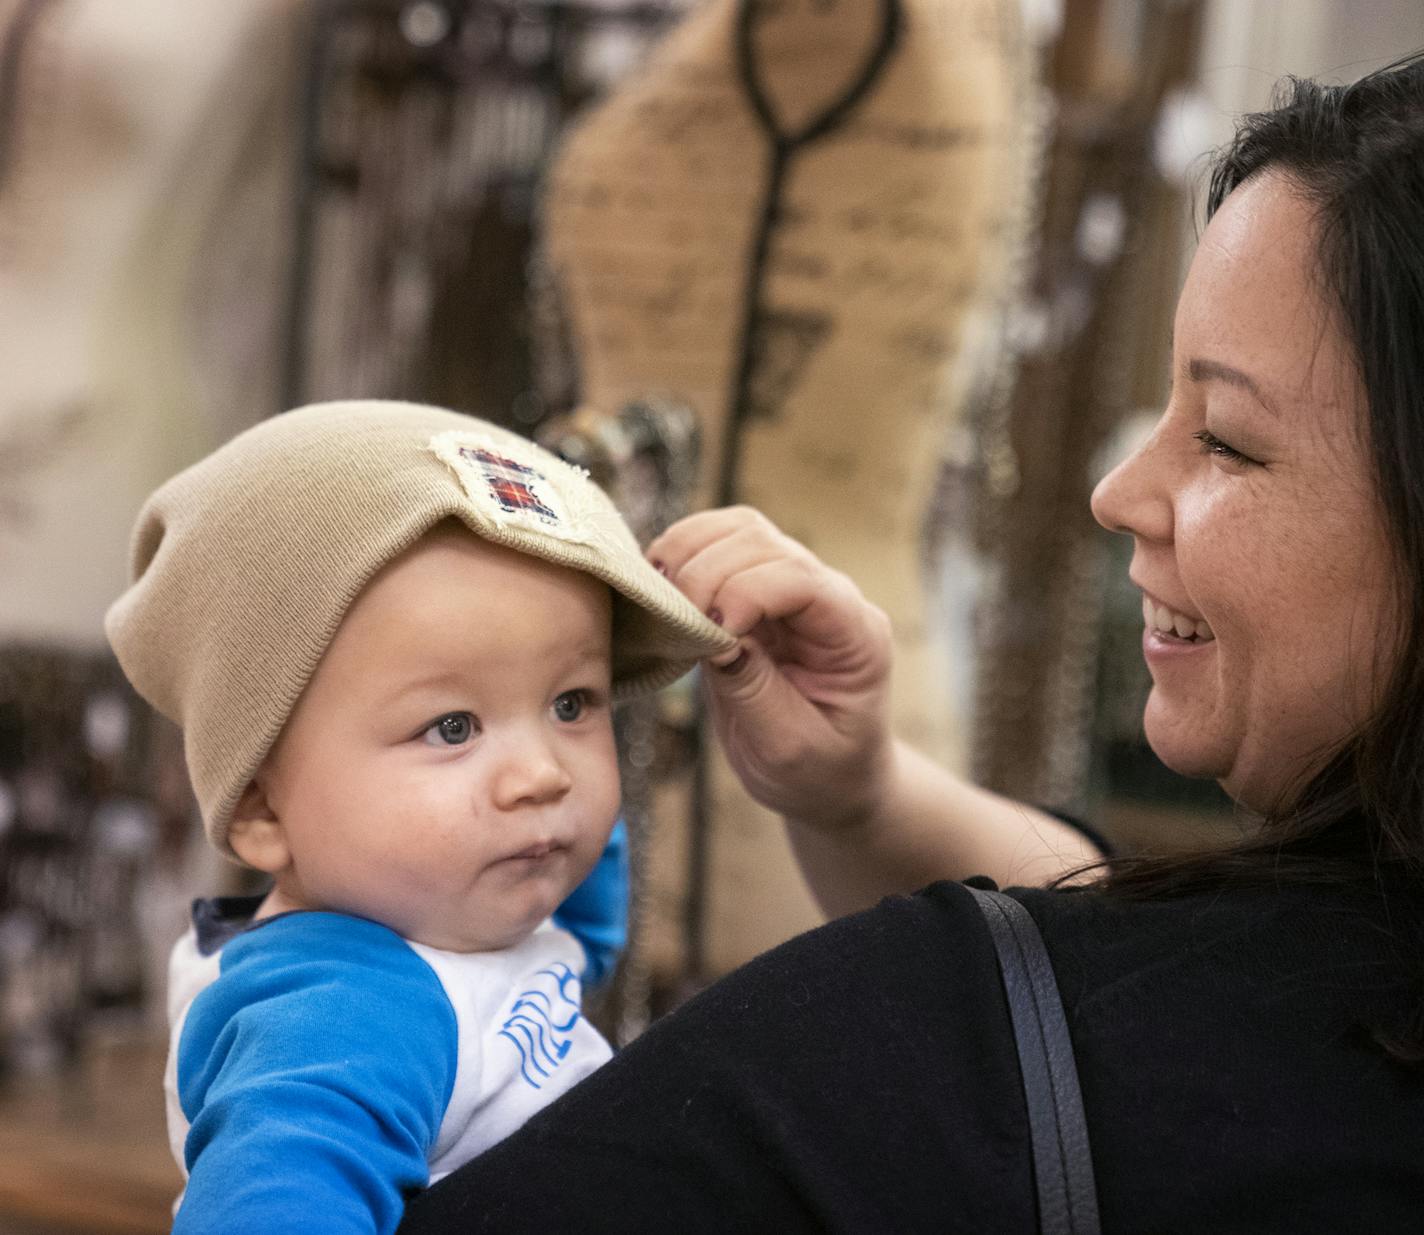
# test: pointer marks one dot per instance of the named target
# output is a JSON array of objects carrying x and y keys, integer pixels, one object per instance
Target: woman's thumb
[{"x": 747, "y": 679}]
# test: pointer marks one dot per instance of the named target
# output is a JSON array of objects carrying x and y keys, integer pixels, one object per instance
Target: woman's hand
[
  {"x": 801, "y": 707},
  {"x": 802, "y": 711}
]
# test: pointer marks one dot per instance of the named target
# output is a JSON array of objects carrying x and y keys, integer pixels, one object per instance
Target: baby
[{"x": 392, "y": 636}]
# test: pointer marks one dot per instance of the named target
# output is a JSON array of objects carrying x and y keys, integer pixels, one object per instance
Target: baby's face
[{"x": 450, "y": 770}]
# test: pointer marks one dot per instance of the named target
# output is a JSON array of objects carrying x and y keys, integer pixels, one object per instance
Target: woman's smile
[
  {"x": 1174, "y": 627},
  {"x": 1170, "y": 636}
]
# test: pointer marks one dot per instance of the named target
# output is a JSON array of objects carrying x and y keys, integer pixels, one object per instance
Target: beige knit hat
[{"x": 244, "y": 565}]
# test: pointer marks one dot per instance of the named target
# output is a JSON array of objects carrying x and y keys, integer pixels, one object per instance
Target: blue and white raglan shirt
[{"x": 322, "y": 1068}]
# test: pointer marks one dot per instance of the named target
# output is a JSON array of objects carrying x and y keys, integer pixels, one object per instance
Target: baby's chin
[
  {"x": 484, "y": 936},
  {"x": 498, "y": 913}
]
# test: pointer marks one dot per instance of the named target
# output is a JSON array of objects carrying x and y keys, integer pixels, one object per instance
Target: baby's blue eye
[
  {"x": 453, "y": 729},
  {"x": 569, "y": 706}
]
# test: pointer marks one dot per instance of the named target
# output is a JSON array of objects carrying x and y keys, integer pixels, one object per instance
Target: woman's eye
[
  {"x": 1213, "y": 445},
  {"x": 570, "y": 705},
  {"x": 453, "y": 729}
]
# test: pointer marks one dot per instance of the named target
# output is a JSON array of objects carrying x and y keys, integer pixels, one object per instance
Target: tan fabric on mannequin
[
  {"x": 140, "y": 275},
  {"x": 892, "y": 250}
]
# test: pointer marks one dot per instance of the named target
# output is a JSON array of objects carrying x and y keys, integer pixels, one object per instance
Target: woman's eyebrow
[{"x": 1200, "y": 369}]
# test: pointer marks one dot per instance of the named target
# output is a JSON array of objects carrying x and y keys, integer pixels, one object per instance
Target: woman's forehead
[{"x": 1254, "y": 306}]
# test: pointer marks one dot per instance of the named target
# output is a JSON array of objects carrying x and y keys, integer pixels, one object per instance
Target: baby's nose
[{"x": 530, "y": 775}]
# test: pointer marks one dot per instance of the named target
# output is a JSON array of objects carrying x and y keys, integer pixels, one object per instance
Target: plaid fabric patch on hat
[
  {"x": 537, "y": 493},
  {"x": 514, "y": 486}
]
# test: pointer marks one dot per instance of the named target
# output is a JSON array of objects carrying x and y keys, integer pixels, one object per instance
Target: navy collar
[{"x": 218, "y": 920}]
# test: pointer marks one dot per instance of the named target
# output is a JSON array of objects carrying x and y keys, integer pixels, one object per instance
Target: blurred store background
[{"x": 899, "y": 272}]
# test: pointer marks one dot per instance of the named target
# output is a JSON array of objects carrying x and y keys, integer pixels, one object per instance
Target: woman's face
[{"x": 1259, "y": 545}]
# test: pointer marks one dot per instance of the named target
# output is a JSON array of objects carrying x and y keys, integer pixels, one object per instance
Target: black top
[{"x": 862, "y": 1077}]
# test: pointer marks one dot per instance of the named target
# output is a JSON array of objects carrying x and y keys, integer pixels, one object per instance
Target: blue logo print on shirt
[{"x": 540, "y": 1022}]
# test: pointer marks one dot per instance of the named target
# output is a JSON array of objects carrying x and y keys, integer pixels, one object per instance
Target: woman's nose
[
  {"x": 530, "y": 775},
  {"x": 1135, "y": 497}
]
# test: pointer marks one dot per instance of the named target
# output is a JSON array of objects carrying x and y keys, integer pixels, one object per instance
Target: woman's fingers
[
  {"x": 747, "y": 676},
  {"x": 814, "y": 606},
  {"x": 704, "y": 575},
  {"x": 689, "y": 536},
  {"x": 736, "y": 566}
]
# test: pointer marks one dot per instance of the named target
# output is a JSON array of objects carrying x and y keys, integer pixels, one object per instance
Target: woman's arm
[
  {"x": 931, "y": 824},
  {"x": 802, "y": 710}
]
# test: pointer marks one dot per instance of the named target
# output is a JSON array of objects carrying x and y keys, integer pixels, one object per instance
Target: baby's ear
[{"x": 256, "y": 834}]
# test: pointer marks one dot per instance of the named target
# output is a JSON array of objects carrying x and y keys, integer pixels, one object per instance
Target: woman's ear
[{"x": 256, "y": 834}]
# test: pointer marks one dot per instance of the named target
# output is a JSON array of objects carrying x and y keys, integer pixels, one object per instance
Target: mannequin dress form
[{"x": 799, "y": 220}]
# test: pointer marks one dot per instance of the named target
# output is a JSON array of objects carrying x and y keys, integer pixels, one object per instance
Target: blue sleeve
[
  {"x": 315, "y": 1073},
  {"x": 596, "y": 912}
]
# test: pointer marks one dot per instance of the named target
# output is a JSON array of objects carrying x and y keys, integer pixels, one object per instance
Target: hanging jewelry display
[
  {"x": 1078, "y": 331},
  {"x": 88, "y": 803},
  {"x": 425, "y": 126}
]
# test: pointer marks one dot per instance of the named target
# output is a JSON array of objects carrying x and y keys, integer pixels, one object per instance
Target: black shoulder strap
[{"x": 1062, "y": 1165}]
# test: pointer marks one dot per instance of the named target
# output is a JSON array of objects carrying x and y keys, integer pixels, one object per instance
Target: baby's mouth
[
  {"x": 535, "y": 852},
  {"x": 1173, "y": 625}
]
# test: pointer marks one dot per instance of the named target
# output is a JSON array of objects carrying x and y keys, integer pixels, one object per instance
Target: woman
[{"x": 1246, "y": 1024}]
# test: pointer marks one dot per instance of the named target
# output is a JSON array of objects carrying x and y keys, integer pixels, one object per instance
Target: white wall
[{"x": 1249, "y": 44}]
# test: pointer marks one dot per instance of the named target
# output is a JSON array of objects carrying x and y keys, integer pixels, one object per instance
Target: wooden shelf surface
[{"x": 87, "y": 1153}]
